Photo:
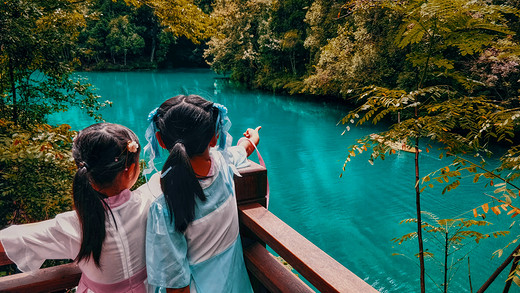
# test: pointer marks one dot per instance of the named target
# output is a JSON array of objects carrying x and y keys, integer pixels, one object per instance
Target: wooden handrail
[
  {"x": 258, "y": 227},
  {"x": 51, "y": 279},
  {"x": 4, "y": 260},
  {"x": 321, "y": 270},
  {"x": 271, "y": 272}
]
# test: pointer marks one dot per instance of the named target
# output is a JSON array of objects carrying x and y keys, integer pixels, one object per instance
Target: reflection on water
[{"x": 352, "y": 218}]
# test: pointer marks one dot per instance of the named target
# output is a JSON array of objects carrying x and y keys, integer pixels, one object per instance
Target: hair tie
[
  {"x": 83, "y": 165},
  {"x": 152, "y": 114},
  {"x": 166, "y": 172}
]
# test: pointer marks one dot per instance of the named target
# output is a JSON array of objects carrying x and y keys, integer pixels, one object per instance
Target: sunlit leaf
[{"x": 516, "y": 280}]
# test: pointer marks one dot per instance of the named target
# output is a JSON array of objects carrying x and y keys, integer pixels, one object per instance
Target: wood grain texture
[
  {"x": 270, "y": 272},
  {"x": 317, "y": 267},
  {"x": 44, "y": 280},
  {"x": 251, "y": 187}
]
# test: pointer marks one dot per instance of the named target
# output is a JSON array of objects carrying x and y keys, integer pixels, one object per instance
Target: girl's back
[
  {"x": 193, "y": 240},
  {"x": 122, "y": 255},
  {"x": 211, "y": 242},
  {"x": 123, "y": 250}
]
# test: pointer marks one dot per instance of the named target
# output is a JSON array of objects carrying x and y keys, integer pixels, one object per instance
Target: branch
[
  {"x": 486, "y": 170},
  {"x": 498, "y": 271}
]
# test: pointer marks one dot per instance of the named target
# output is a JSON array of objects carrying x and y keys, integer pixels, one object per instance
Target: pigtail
[
  {"x": 89, "y": 205},
  {"x": 186, "y": 125},
  {"x": 180, "y": 186}
]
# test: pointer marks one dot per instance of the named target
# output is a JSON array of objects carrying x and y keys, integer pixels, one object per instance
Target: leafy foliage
[
  {"x": 453, "y": 238},
  {"x": 360, "y": 54},
  {"x": 441, "y": 107},
  {"x": 237, "y": 45},
  {"x": 37, "y": 56},
  {"x": 123, "y": 37},
  {"x": 180, "y": 17},
  {"x": 260, "y": 43},
  {"x": 36, "y": 168}
]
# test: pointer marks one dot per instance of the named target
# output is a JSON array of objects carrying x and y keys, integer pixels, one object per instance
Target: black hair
[
  {"x": 186, "y": 125},
  {"x": 101, "y": 153}
]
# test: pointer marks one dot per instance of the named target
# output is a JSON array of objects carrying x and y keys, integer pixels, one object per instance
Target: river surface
[{"x": 352, "y": 218}]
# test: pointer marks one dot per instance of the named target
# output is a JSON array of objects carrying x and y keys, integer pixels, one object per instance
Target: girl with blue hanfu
[{"x": 192, "y": 237}]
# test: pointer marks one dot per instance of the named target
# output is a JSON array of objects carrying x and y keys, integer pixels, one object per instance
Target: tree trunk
[
  {"x": 446, "y": 250},
  {"x": 418, "y": 209},
  {"x": 499, "y": 270},
  {"x": 469, "y": 277},
  {"x": 293, "y": 63},
  {"x": 13, "y": 91},
  {"x": 154, "y": 44},
  {"x": 511, "y": 272}
]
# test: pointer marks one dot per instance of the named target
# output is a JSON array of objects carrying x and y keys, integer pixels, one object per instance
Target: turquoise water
[{"x": 352, "y": 218}]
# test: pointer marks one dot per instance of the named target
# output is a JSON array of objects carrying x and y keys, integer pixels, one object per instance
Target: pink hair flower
[{"x": 132, "y": 146}]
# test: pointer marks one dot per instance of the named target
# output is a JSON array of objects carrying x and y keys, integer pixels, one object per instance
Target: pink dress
[{"x": 123, "y": 265}]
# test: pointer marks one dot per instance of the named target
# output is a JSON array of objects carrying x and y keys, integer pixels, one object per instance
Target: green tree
[
  {"x": 290, "y": 41},
  {"x": 289, "y": 26},
  {"x": 235, "y": 47},
  {"x": 361, "y": 53},
  {"x": 37, "y": 55},
  {"x": 92, "y": 39},
  {"x": 152, "y": 30},
  {"x": 438, "y": 34},
  {"x": 322, "y": 19},
  {"x": 123, "y": 38},
  {"x": 180, "y": 17}
]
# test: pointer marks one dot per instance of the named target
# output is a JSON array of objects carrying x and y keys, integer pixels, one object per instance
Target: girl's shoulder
[{"x": 216, "y": 155}]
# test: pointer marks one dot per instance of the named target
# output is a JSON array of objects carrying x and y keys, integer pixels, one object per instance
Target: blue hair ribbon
[
  {"x": 225, "y": 139},
  {"x": 152, "y": 147}
]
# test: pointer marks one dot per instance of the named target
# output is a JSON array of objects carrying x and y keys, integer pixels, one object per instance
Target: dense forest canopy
[
  {"x": 317, "y": 47},
  {"x": 449, "y": 69}
]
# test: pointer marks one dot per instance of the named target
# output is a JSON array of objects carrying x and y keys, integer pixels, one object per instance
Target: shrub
[{"x": 36, "y": 171}]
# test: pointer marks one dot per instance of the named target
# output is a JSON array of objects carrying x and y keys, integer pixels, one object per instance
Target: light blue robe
[{"x": 208, "y": 255}]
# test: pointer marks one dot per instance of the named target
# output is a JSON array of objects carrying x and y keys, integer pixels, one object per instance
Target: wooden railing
[{"x": 259, "y": 228}]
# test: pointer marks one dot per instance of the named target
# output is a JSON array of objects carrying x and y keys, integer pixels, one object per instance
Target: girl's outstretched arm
[{"x": 252, "y": 138}]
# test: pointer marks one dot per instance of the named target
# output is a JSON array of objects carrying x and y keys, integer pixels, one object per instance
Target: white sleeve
[
  {"x": 151, "y": 189},
  {"x": 238, "y": 156},
  {"x": 29, "y": 245}
]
